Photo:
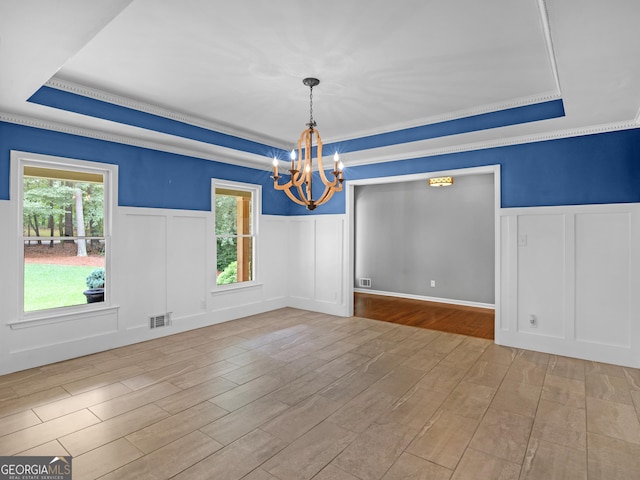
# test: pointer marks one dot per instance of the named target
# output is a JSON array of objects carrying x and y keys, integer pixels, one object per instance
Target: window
[
  {"x": 236, "y": 207},
  {"x": 64, "y": 225}
]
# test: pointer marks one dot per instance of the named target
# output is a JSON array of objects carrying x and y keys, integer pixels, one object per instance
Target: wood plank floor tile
[
  {"x": 80, "y": 401},
  {"x": 242, "y": 421},
  {"x": 25, "y": 402},
  {"x": 610, "y": 458},
  {"x": 476, "y": 464},
  {"x": 373, "y": 452},
  {"x": 613, "y": 419},
  {"x": 49, "y": 449},
  {"x": 171, "y": 428},
  {"x": 504, "y": 435},
  {"x": 296, "y": 421},
  {"x": 444, "y": 439},
  {"x": 131, "y": 401},
  {"x": 331, "y": 472},
  {"x": 85, "y": 439},
  {"x": 102, "y": 380},
  {"x": 18, "y": 421},
  {"x": 246, "y": 393},
  {"x": 416, "y": 468},
  {"x": 546, "y": 460},
  {"x": 310, "y": 453},
  {"x": 105, "y": 459},
  {"x": 45, "y": 432},
  {"x": 199, "y": 393},
  {"x": 237, "y": 459},
  {"x": 169, "y": 460},
  {"x": 295, "y": 394},
  {"x": 202, "y": 374},
  {"x": 44, "y": 382}
]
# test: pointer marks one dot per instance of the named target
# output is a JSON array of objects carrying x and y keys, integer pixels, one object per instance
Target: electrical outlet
[
  {"x": 533, "y": 321},
  {"x": 433, "y": 284}
]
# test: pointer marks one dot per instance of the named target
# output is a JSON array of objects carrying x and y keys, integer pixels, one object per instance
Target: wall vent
[
  {"x": 159, "y": 321},
  {"x": 365, "y": 282}
]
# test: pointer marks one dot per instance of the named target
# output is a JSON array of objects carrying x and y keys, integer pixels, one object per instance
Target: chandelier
[{"x": 299, "y": 186}]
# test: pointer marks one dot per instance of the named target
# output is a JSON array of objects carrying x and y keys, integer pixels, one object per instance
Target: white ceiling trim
[
  {"x": 455, "y": 115},
  {"x": 215, "y": 153},
  {"x": 504, "y": 142},
  {"x": 373, "y": 156},
  {"x": 101, "y": 95},
  {"x": 96, "y": 94},
  {"x": 544, "y": 18}
]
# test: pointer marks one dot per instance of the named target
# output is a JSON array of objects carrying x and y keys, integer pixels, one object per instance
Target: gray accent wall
[{"x": 408, "y": 234}]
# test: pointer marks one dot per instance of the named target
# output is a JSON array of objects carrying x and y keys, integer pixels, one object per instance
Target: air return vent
[
  {"x": 159, "y": 321},
  {"x": 364, "y": 282}
]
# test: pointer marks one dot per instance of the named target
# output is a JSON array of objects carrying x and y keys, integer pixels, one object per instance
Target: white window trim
[
  {"x": 256, "y": 210},
  {"x": 110, "y": 175}
]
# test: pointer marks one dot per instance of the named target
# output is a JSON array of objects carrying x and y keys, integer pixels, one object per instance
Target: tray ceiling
[{"x": 236, "y": 67}]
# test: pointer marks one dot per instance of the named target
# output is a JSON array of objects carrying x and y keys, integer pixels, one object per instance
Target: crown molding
[
  {"x": 96, "y": 94},
  {"x": 503, "y": 142},
  {"x": 454, "y": 115},
  {"x": 214, "y": 153},
  {"x": 544, "y": 18},
  {"x": 243, "y": 159}
]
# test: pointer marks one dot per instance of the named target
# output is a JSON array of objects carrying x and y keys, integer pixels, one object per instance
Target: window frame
[
  {"x": 19, "y": 160},
  {"x": 256, "y": 213}
]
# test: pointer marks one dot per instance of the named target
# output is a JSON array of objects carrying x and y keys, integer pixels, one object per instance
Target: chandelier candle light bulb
[{"x": 302, "y": 170}]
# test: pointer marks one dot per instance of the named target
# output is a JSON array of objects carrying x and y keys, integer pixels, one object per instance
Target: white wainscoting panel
[
  {"x": 140, "y": 265},
  {"x": 577, "y": 269},
  {"x": 187, "y": 266},
  {"x": 317, "y": 249},
  {"x": 329, "y": 259},
  {"x": 541, "y": 274},
  {"x": 274, "y": 258},
  {"x": 8, "y": 283},
  {"x": 602, "y": 278},
  {"x": 302, "y": 252}
]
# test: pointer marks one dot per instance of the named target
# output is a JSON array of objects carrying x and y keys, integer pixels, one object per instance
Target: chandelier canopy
[{"x": 299, "y": 186}]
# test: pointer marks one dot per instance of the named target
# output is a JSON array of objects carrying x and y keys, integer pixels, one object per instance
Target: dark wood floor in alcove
[{"x": 472, "y": 321}]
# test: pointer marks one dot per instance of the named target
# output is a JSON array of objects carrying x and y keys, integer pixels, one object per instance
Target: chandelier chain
[{"x": 312, "y": 122}]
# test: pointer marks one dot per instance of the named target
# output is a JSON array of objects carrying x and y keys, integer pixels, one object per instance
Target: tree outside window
[
  {"x": 235, "y": 234},
  {"x": 63, "y": 233}
]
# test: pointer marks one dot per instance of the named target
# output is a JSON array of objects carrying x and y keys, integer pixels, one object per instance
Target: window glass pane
[
  {"x": 62, "y": 208},
  {"x": 233, "y": 211},
  {"x": 235, "y": 260},
  {"x": 55, "y": 276},
  {"x": 60, "y": 203}
]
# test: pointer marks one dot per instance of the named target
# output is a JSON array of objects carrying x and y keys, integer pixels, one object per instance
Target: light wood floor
[
  {"x": 299, "y": 395},
  {"x": 473, "y": 321}
]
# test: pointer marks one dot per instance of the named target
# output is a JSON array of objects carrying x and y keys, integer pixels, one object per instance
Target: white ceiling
[{"x": 236, "y": 66}]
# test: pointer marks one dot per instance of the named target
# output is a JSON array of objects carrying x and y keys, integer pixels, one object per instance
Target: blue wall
[
  {"x": 603, "y": 168},
  {"x": 147, "y": 178}
]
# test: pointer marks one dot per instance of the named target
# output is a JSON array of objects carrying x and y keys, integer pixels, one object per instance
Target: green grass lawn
[{"x": 53, "y": 286}]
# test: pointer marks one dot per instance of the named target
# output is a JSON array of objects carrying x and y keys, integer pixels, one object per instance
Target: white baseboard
[{"x": 426, "y": 299}]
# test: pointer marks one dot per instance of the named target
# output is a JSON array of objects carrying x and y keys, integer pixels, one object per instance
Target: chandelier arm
[
  {"x": 284, "y": 186},
  {"x": 320, "y": 166},
  {"x": 328, "y": 193},
  {"x": 297, "y": 178},
  {"x": 303, "y": 197},
  {"x": 293, "y": 197}
]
